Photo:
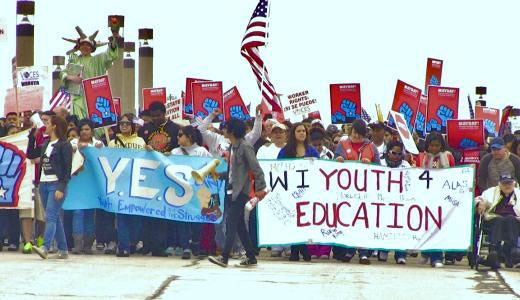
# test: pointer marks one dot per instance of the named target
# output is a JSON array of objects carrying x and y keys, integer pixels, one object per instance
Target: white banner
[
  {"x": 297, "y": 105},
  {"x": 366, "y": 206},
  {"x": 174, "y": 109}
]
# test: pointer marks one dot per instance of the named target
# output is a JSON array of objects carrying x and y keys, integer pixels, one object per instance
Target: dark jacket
[
  {"x": 153, "y": 135},
  {"x": 61, "y": 162},
  {"x": 482, "y": 179},
  {"x": 243, "y": 161}
]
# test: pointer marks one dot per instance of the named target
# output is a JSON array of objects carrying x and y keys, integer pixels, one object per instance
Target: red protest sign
[
  {"x": 406, "y": 101},
  {"x": 188, "y": 99},
  {"x": 465, "y": 134},
  {"x": 433, "y": 73},
  {"x": 491, "y": 117},
  {"x": 345, "y": 102},
  {"x": 100, "y": 106},
  {"x": 443, "y": 105},
  {"x": 234, "y": 106},
  {"x": 420, "y": 119},
  {"x": 470, "y": 157},
  {"x": 207, "y": 96},
  {"x": 117, "y": 106},
  {"x": 153, "y": 94}
]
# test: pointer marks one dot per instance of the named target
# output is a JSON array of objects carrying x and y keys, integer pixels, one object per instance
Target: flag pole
[{"x": 266, "y": 42}]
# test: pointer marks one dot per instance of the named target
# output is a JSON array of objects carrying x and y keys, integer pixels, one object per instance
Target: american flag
[
  {"x": 471, "y": 111},
  {"x": 365, "y": 116},
  {"x": 254, "y": 38},
  {"x": 60, "y": 98}
]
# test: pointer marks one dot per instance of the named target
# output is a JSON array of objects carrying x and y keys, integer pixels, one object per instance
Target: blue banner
[{"x": 148, "y": 184}]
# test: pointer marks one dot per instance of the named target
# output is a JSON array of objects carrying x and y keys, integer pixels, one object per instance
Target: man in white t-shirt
[{"x": 278, "y": 141}]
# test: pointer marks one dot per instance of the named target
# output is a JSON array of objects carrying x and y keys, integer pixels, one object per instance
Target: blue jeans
[
  {"x": 83, "y": 222},
  {"x": 397, "y": 254},
  {"x": 54, "y": 224},
  {"x": 436, "y": 256},
  {"x": 128, "y": 230},
  {"x": 180, "y": 233}
]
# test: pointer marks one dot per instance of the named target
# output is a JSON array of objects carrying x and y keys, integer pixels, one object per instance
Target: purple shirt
[{"x": 504, "y": 208}]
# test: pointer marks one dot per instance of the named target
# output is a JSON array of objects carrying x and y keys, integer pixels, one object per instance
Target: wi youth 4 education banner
[
  {"x": 16, "y": 172},
  {"x": 100, "y": 106},
  {"x": 465, "y": 134},
  {"x": 188, "y": 99},
  {"x": 420, "y": 120},
  {"x": 443, "y": 105},
  {"x": 207, "y": 96},
  {"x": 234, "y": 106},
  {"x": 433, "y": 73},
  {"x": 491, "y": 117},
  {"x": 148, "y": 184},
  {"x": 366, "y": 206},
  {"x": 345, "y": 102},
  {"x": 406, "y": 101},
  {"x": 152, "y": 95}
]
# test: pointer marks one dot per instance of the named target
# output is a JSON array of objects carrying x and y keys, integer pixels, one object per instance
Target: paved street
[{"x": 108, "y": 277}]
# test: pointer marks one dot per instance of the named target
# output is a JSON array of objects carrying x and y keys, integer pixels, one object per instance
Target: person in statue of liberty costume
[{"x": 93, "y": 65}]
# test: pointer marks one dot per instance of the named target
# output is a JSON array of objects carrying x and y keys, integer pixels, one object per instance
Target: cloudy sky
[{"x": 312, "y": 44}]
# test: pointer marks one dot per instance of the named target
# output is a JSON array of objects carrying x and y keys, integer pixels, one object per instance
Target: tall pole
[
  {"x": 128, "y": 97},
  {"x": 145, "y": 62},
  {"x": 58, "y": 61},
  {"x": 24, "y": 42},
  {"x": 115, "y": 73}
]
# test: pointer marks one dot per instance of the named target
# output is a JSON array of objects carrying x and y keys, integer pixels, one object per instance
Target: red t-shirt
[{"x": 357, "y": 146}]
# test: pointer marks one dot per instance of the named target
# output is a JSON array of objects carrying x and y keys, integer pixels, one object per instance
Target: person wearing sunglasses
[
  {"x": 128, "y": 226},
  {"x": 393, "y": 157},
  {"x": 189, "y": 139}
]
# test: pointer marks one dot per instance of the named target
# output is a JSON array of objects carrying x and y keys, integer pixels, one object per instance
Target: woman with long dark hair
[
  {"x": 298, "y": 146},
  {"x": 56, "y": 164}
]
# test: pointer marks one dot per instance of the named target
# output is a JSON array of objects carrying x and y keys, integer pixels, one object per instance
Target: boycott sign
[
  {"x": 207, "y": 96},
  {"x": 443, "y": 105},
  {"x": 465, "y": 134},
  {"x": 188, "y": 99},
  {"x": 100, "y": 106},
  {"x": 300, "y": 104},
  {"x": 406, "y": 101},
  {"x": 404, "y": 132},
  {"x": 174, "y": 109},
  {"x": 420, "y": 120},
  {"x": 234, "y": 106},
  {"x": 345, "y": 102},
  {"x": 117, "y": 105},
  {"x": 433, "y": 73},
  {"x": 152, "y": 95},
  {"x": 491, "y": 117},
  {"x": 147, "y": 184},
  {"x": 366, "y": 206}
]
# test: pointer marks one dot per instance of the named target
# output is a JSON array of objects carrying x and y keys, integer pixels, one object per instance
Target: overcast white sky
[{"x": 313, "y": 43}]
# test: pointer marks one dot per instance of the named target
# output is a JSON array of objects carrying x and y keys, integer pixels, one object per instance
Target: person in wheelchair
[{"x": 501, "y": 211}]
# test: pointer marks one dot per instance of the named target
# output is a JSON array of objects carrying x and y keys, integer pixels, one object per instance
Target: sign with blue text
[{"x": 126, "y": 181}]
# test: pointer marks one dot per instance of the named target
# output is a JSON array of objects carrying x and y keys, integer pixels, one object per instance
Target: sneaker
[
  {"x": 138, "y": 246},
  {"x": 12, "y": 248},
  {"x": 39, "y": 241},
  {"x": 346, "y": 258},
  {"x": 42, "y": 252},
  {"x": 294, "y": 257},
  {"x": 276, "y": 253},
  {"x": 401, "y": 261},
  {"x": 248, "y": 262},
  {"x": 219, "y": 261},
  {"x": 314, "y": 256},
  {"x": 423, "y": 260},
  {"x": 364, "y": 260},
  {"x": 100, "y": 246},
  {"x": 169, "y": 251},
  {"x": 111, "y": 248},
  {"x": 122, "y": 253},
  {"x": 178, "y": 251},
  {"x": 60, "y": 255},
  {"x": 27, "y": 248},
  {"x": 325, "y": 256},
  {"x": 186, "y": 254},
  {"x": 437, "y": 264},
  {"x": 449, "y": 261},
  {"x": 383, "y": 256}
]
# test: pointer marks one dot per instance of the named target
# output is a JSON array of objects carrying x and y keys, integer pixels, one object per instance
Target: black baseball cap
[{"x": 506, "y": 178}]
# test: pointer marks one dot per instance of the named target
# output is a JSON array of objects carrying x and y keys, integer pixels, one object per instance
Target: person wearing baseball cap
[
  {"x": 500, "y": 208},
  {"x": 378, "y": 137},
  {"x": 499, "y": 161}
]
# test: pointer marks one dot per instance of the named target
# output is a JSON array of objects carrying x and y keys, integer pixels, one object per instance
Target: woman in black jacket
[{"x": 55, "y": 163}]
